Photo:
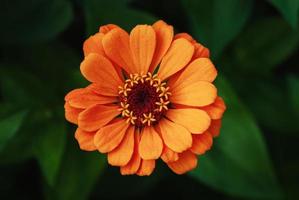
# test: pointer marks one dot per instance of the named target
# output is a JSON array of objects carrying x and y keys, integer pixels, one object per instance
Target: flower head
[{"x": 151, "y": 96}]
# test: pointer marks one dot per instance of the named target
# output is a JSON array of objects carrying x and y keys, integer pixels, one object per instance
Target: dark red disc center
[{"x": 142, "y": 99}]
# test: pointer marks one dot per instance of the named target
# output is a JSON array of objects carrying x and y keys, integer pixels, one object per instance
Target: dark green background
[{"x": 254, "y": 44}]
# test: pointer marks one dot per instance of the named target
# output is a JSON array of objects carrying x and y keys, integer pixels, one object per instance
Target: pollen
[
  {"x": 143, "y": 99},
  {"x": 162, "y": 104},
  {"x": 124, "y": 109},
  {"x": 148, "y": 119}
]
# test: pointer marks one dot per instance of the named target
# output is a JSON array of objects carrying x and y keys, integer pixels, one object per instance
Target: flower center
[{"x": 143, "y": 99}]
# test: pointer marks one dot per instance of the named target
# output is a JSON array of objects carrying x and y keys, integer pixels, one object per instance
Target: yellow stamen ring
[{"x": 150, "y": 91}]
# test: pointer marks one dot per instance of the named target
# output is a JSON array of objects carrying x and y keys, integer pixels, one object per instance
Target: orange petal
[
  {"x": 85, "y": 140},
  {"x": 186, "y": 36},
  {"x": 151, "y": 145},
  {"x": 97, "y": 116},
  {"x": 168, "y": 155},
  {"x": 200, "y": 51},
  {"x": 110, "y": 136},
  {"x": 186, "y": 162},
  {"x": 119, "y": 71},
  {"x": 201, "y": 143},
  {"x": 98, "y": 69},
  {"x": 71, "y": 113},
  {"x": 216, "y": 109},
  {"x": 194, "y": 120},
  {"x": 201, "y": 69},
  {"x": 142, "y": 44},
  {"x": 89, "y": 98},
  {"x": 175, "y": 136},
  {"x": 96, "y": 88},
  {"x": 123, "y": 153},
  {"x": 146, "y": 167},
  {"x": 93, "y": 44},
  {"x": 133, "y": 165},
  {"x": 179, "y": 106},
  {"x": 74, "y": 93},
  {"x": 106, "y": 28},
  {"x": 200, "y": 93},
  {"x": 215, "y": 127},
  {"x": 117, "y": 48},
  {"x": 164, "y": 35},
  {"x": 176, "y": 58}
]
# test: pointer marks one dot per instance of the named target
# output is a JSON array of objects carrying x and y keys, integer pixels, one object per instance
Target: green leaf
[
  {"x": 216, "y": 22},
  {"x": 124, "y": 183},
  {"x": 290, "y": 173},
  {"x": 289, "y": 9},
  {"x": 42, "y": 136},
  {"x": 78, "y": 173},
  {"x": 49, "y": 147},
  {"x": 37, "y": 79},
  {"x": 293, "y": 88},
  {"x": 9, "y": 126},
  {"x": 239, "y": 163},
  {"x": 37, "y": 20},
  {"x": 267, "y": 96},
  {"x": 48, "y": 60},
  {"x": 14, "y": 151},
  {"x": 20, "y": 87},
  {"x": 260, "y": 50},
  {"x": 99, "y": 13}
]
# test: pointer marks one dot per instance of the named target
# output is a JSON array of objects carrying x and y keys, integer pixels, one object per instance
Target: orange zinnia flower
[{"x": 151, "y": 96}]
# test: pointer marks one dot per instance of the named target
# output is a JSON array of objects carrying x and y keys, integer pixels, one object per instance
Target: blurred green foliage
[
  {"x": 254, "y": 44},
  {"x": 214, "y": 22},
  {"x": 289, "y": 9},
  {"x": 239, "y": 166},
  {"x": 38, "y": 20}
]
